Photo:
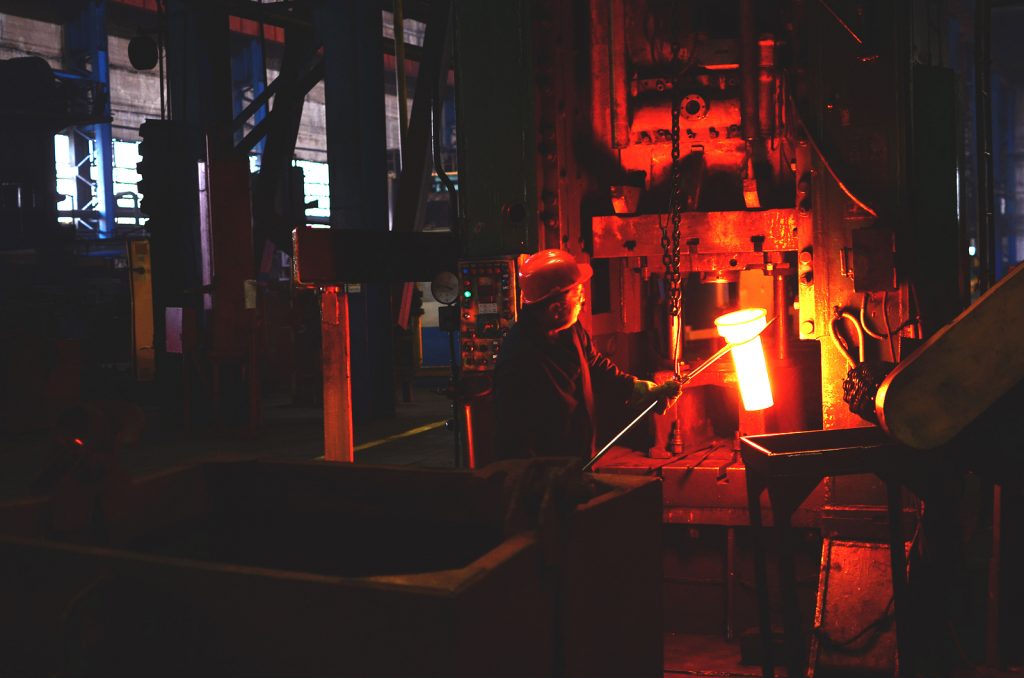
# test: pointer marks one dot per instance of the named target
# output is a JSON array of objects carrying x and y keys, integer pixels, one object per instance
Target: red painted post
[{"x": 337, "y": 371}]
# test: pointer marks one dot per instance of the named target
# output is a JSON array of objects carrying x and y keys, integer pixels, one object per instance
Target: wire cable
[
  {"x": 841, "y": 22},
  {"x": 893, "y": 344},
  {"x": 841, "y": 343},
  {"x": 872, "y": 632},
  {"x": 917, "y": 311},
  {"x": 863, "y": 320},
  {"x": 890, "y": 334},
  {"x": 828, "y": 166}
]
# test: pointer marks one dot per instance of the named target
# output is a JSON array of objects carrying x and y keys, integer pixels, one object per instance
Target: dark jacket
[{"x": 543, "y": 396}]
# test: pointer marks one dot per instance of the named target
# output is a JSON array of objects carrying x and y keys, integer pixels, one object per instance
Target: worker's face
[{"x": 566, "y": 311}]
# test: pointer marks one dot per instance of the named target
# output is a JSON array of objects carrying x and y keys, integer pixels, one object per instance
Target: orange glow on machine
[{"x": 743, "y": 329}]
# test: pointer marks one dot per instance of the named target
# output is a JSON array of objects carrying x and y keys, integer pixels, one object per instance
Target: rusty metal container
[{"x": 310, "y": 569}]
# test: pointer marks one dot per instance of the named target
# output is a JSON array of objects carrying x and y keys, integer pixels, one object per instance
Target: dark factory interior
[{"x": 511, "y": 338}]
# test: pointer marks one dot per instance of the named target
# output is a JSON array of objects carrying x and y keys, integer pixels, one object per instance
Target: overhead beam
[
  {"x": 701, "y": 233},
  {"x": 416, "y": 156}
]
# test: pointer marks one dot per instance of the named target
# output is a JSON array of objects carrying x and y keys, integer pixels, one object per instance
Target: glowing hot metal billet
[
  {"x": 742, "y": 329},
  {"x": 683, "y": 379}
]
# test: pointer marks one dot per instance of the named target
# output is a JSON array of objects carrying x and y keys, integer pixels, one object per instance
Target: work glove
[{"x": 645, "y": 391}]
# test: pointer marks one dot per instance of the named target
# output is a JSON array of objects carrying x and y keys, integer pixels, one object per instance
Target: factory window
[
  {"x": 126, "y": 183},
  {"x": 413, "y": 30},
  {"x": 66, "y": 177},
  {"x": 318, "y": 191}
]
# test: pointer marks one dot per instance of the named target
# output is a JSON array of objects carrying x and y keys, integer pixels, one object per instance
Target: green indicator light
[{"x": 467, "y": 294}]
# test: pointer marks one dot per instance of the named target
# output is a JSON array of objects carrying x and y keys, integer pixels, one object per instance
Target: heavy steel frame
[{"x": 86, "y": 58}]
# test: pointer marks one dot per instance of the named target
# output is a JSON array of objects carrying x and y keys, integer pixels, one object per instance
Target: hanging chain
[{"x": 670, "y": 242}]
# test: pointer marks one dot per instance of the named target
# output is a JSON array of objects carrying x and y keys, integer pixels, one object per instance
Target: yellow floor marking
[{"x": 397, "y": 436}]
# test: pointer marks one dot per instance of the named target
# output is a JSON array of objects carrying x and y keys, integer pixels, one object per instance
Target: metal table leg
[
  {"x": 730, "y": 583},
  {"x": 755, "y": 486},
  {"x": 795, "y": 659},
  {"x": 899, "y": 579}
]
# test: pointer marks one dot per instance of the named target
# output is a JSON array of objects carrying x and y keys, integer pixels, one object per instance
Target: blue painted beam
[
  {"x": 356, "y": 143},
  {"x": 249, "y": 79},
  {"x": 85, "y": 53}
]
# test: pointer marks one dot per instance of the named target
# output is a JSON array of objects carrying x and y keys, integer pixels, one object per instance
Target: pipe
[
  {"x": 619, "y": 86},
  {"x": 436, "y": 143},
  {"x": 994, "y": 566},
  {"x": 675, "y": 340},
  {"x": 161, "y": 34},
  {"x": 983, "y": 115},
  {"x": 749, "y": 71},
  {"x": 600, "y": 85},
  {"x": 766, "y": 86},
  {"x": 453, "y": 383},
  {"x": 730, "y": 582},
  {"x": 782, "y": 328},
  {"x": 403, "y": 88},
  {"x": 467, "y": 414}
]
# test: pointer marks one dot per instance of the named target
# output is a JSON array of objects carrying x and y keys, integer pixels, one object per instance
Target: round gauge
[{"x": 445, "y": 287}]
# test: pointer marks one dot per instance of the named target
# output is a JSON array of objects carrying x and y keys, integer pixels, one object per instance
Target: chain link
[{"x": 670, "y": 241}]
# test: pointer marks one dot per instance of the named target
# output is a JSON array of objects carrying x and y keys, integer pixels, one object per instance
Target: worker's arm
[
  {"x": 605, "y": 375},
  {"x": 621, "y": 386},
  {"x": 646, "y": 391}
]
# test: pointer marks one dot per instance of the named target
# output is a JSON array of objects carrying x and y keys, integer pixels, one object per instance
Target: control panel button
[{"x": 488, "y": 308}]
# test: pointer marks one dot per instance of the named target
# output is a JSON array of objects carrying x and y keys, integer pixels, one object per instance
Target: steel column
[
  {"x": 430, "y": 81},
  {"x": 354, "y": 63},
  {"x": 201, "y": 88},
  {"x": 274, "y": 199},
  {"x": 249, "y": 77},
  {"x": 983, "y": 118},
  {"x": 229, "y": 196},
  {"x": 497, "y": 127},
  {"x": 337, "y": 369},
  {"x": 85, "y": 54},
  {"x": 400, "y": 79}
]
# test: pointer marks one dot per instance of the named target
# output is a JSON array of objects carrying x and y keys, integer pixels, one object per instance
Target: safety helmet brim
[{"x": 586, "y": 272}]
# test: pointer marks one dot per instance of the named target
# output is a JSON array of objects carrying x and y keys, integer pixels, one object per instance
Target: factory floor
[{"x": 415, "y": 436}]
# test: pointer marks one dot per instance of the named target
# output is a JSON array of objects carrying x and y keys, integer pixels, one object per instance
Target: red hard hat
[{"x": 548, "y": 272}]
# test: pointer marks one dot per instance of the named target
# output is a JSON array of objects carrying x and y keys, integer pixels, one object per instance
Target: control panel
[{"x": 487, "y": 306}]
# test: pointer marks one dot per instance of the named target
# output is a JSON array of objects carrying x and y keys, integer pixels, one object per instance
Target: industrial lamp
[{"x": 743, "y": 329}]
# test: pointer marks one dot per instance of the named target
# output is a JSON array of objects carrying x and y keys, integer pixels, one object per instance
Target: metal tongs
[{"x": 682, "y": 379}]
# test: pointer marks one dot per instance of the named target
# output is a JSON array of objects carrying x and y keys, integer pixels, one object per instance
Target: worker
[{"x": 548, "y": 371}]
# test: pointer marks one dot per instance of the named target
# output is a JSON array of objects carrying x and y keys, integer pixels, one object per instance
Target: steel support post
[
  {"x": 229, "y": 197},
  {"x": 337, "y": 369},
  {"x": 249, "y": 79},
  {"x": 85, "y": 54},
  {"x": 273, "y": 199},
  {"x": 498, "y": 140},
  {"x": 431, "y": 79},
  {"x": 201, "y": 88},
  {"x": 356, "y": 141}
]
